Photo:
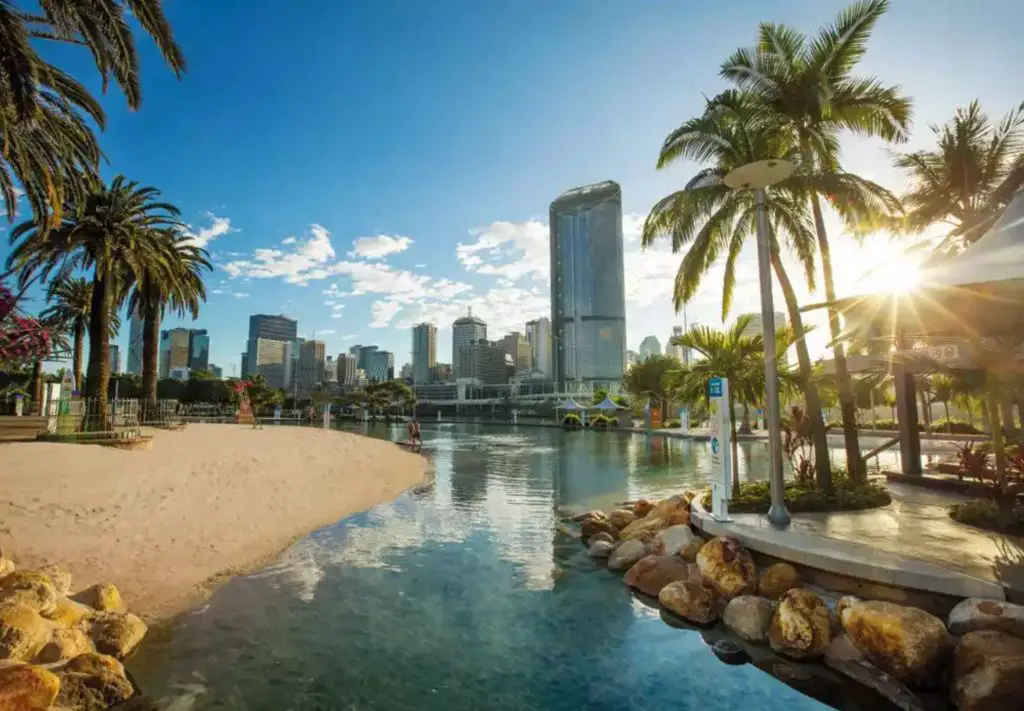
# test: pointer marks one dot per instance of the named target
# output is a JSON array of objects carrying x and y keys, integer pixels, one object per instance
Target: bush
[
  {"x": 984, "y": 513},
  {"x": 755, "y": 497},
  {"x": 602, "y": 422},
  {"x": 954, "y": 426},
  {"x": 572, "y": 421},
  {"x": 671, "y": 424}
]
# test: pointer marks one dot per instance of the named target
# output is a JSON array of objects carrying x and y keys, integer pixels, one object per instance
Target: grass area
[
  {"x": 982, "y": 514},
  {"x": 755, "y": 497}
]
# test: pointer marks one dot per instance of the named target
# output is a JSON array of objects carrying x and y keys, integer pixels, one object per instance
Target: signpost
[
  {"x": 760, "y": 419},
  {"x": 684, "y": 420},
  {"x": 721, "y": 448}
]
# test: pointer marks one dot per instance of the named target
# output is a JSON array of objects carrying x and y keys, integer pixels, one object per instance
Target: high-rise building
[
  {"x": 380, "y": 365},
  {"x": 134, "y": 364},
  {"x": 588, "y": 298},
  {"x": 348, "y": 366},
  {"x": 648, "y": 347},
  {"x": 330, "y": 370},
  {"x": 631, "y": 358},
  {"x": 538, "y": 335},
  {"x": 483, "y": 361},
  {"x": 272, "y": 359},
  {"x": 465, "y": 331},
  {"x": 406, "y": 372},
  {"x": 198, "y": 350},
  {"x": 518, "y": 349},
  {"x": 688, "y": 356},
  {"x": 115, "y": 359},
  {"x": 364, "y": 355},
  {"x": 174, "y": 350},
  {"x": 277, "y": 328},
  {"x": 424, "y": 351},
  {"x": 311, "y": 364},
  {"x": 216, "y": 371},
  {"x": 441, "y": 373},
  {"x": 672, "y": 349}
]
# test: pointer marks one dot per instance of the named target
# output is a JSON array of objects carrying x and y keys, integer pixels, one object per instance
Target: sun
[{"x": 885, "y": 270}]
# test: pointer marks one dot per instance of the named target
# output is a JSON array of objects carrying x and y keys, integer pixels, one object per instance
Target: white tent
[
  {"x": 607, "y": 405},
  {"x": 570, "y": 405}
]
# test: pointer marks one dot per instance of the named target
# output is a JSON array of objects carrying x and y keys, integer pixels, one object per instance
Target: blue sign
[
  {"x": 714, "y": 445},
  {"x": 715, "y": 387}
]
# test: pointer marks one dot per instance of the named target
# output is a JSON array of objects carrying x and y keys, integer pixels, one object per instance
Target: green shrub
[
  {"x": 671, "y": 424},
  {"x": 954, "y": 426},
  {"x": 572, "y": 420},
  {"x": 982, "y": 513},
  {"x": 755, "y": 497}
]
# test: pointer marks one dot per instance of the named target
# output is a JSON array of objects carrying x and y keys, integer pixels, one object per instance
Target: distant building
[
  {"x": 198, "y": 350},
  {"x": 424, "y": 352},
  {"x": 311, "y": 364},
  {"x": 631, "y": 358},
  {"x": 347, "y": 368},
  {"x": 648, "y": 347},
  {"x": 115, "y": 359},
  {"x": 178, "y": 373},
  {"x": 380, "y": 365},
  {"x": 670, "y": 348},
  {"x": 688, "y": 354},
  {"x": 245, "y": 365},
  {"x": 272, "y": 359},
  {"x": 406, "y": 372},
  {"x": 588, "y": 299},
  {"x": 465, "y": 331},
  {"x": 538, "y": 335},
  {"x": 216, "y": 371},
  {"x": 484, "y": 362},
  {"x": 330, "y": 370},
  {"x": 755, "y": 326},
  {"x": 135, "y": 327},
  {"x": 441, "y": 373},
  {"x": 174, "y": 350},
  {"x": 363, "y": 356},
  {"x": 518, "y": 349}
]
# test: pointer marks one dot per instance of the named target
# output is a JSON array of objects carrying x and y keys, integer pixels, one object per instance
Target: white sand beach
[{"x": 203, "y": 503}]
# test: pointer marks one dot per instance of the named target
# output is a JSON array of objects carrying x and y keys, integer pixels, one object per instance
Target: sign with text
[{"x": 721, "y": 449}]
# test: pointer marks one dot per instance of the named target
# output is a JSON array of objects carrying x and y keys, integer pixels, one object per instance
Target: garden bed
[
  {"x": 755, "y": 497},
  {"x": 981, "y": 513}
]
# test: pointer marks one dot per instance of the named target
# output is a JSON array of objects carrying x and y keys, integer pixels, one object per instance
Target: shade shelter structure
[
  {"x": 570, "y": 405},
  {"x": 958, "y": 310},
  {"x": 607, "y": 405}
]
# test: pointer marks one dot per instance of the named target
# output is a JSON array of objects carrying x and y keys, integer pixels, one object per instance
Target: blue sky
[{"x": 363, "y": 166}]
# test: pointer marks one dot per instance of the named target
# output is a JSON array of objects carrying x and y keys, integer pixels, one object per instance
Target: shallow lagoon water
[{"x": 463, "y": 595}]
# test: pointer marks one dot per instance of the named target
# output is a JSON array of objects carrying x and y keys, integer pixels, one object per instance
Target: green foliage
[
  {"x": 984, "y": 513},
  {"x": 671, "y": 424},
  {"x": 954, "y": 426},
  {"x": 847, "y": 495},
  {"x": 572, "y": 420},
  {"x": 646, "y": 381}
]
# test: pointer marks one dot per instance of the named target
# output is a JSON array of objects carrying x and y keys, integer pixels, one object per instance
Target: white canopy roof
[
  {"x": 608, "y": 404},
  {"x": 570, "y": 405}
]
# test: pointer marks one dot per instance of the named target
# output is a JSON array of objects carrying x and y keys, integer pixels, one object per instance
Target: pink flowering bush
[{"x": 21, "y": 338}]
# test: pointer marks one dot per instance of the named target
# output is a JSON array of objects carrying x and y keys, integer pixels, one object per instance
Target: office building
[
  {"x": 178, "y": 374},
  {"x": 330, "y": 370},
  {"x": 518, "y": 349},
  {"x": 276, "y": 328},
  {"x": 483, "y": 362},
  {"x": 441, "y": 373},
  {"x": 198, "y": 350},
  {"x": 688, "y": 353},
  {"x": 588, "y": 298},
  {"x": 406, "y": 372},
  {"x": 174, "y": 350},
  {"x": 135, "y": 327},
  {"x": 311, "y": 364},
  {"x": 538, "y": 335},
  {"x": 672, "y": 349},
  {"x": 465, "y": 331},
  {"x": 244, "y": 365},
  {"x": 347, "y": 368},
  {"x": 755, "y": 326},
  {"x": 648, "y": 347},
  {"x": 363, "y": 354},
  {"x": 631, "y": 358},
  {"x": 216, "y": 371},
  {"x": 272, "y": 359},
  {"x": 424, "y": 352},
  {"x": 380, "y": 365},
  {"x": 115, "y": 359}
]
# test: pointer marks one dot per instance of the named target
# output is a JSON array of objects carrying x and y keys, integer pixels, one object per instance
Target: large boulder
[
  {"x": 593, "y": 527},
  {"x": 905, "y": 642},
  {"x": 99, "y": 688},
  {"x": 642, "y": 507},
  {"x": 27, "y": 688},
  {"x": 642, "y": 526},
  {"x": 845, "y": 603},
  {"x": 651, "y": 573},
  {"x": 6, "y": 564},
  {"x": 68, "y": 613},
  {"x": 600, "y": 549},
  {"x": 626, "y": 555},
  {"x": 93, "y": 663},
  {"x": 988, "y": 672},
  {"x": 777, "y": 579},
  {"x": 672, "y": 540},
  {"x": 31, "y": 588},
  {"x": 666, "y": 507},
  {"x": 607, "y": 537},
  {"x": 64, "y": 644},
  {"x": 620, "y": 518},
  {"x": 690, "y": 550},
  {"x": 749, "y": 617},
  {"x": 22, "y": 632},
  {"x": 59, "y": 576},
  {"x": 801, "y": 628},
  {"x": 693, "y": 600},
  {"x": 728, "y": 567},
  {"x": 117, "y": 633},
  {"x": 842, "y": 656},
  {"x": 102, "y": 596},
  {"x": 975, "y": 614}
]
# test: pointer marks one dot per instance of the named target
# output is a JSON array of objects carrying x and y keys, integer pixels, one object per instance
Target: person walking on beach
[{"x": 414, "y": 432}]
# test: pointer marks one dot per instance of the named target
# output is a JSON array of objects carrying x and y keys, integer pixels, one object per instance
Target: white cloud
[
  {"x": 383, "y": 312},
  {"x": 349, "y": 337},
  {"x": 421, "y": 266},
  {"x": 217, "y": 291},
  {"x": 218, "y": 227},
  {"x": 240, "y": 295},
  {"x": 288, "y": 240},
  {"x": 325, "y": 331},
  {"x": 379, "y": 246},
  {"x": 308, "y": 259},
  {"x": 508, "y": 249}
]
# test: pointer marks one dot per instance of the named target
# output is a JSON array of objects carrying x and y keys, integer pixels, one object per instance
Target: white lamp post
[{"x": 757, "y": 176}]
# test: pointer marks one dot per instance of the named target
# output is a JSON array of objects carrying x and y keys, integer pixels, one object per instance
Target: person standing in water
[{"x": 414, "y": 432}]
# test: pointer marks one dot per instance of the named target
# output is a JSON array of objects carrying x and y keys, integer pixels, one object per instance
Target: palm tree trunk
[
  {"x": 745, "y": 423},
  {"x": 98, "y": 374},
  {"x": 949, "y": 424},
  {"x": 78, "y": 335},
  {"x": 150, "y": 360},
  {"x": 822, "y": 464}
]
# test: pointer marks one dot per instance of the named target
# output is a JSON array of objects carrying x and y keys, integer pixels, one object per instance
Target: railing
[{"x": 85, "y": 418}]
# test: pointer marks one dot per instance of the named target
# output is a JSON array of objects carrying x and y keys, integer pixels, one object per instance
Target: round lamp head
[{"x": 759, "y": 174}]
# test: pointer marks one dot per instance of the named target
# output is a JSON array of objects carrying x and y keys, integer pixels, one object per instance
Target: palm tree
[
  {"x": 728, "y": 354},
  {"x": 943, "y": 389},
  {"x": 710, "y": 219},
  {"x": 172, "y": 277},
  {"x": 114, "y": 232},
  {"x": 807, "y": 87},
  {"x": 70, "y": 305},
  {"x": 969, "y": 178}
]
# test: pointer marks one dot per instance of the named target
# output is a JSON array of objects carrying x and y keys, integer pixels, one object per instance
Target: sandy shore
[{"x": 209, "y": 501}]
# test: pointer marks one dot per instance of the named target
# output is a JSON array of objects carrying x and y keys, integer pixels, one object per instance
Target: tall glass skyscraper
[
  {"x": 588, "y": 296},
  {"x": 424, "y": 351},
  {"x": 134, "y": 364}
]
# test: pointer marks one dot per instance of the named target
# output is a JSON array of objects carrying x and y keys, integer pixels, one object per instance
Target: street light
[{"x": 757, "y": 176}]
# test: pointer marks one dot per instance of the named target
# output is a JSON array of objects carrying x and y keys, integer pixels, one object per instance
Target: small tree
[{"x": 1002, "y": 487}]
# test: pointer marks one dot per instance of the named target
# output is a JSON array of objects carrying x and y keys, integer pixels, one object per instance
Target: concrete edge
[{"x": 854, "y": 560}]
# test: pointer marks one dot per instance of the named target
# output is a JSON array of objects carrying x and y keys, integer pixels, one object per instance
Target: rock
[
  {"x": 93, "y": 683},
  {"x": 975, "y": 614},
  {"x": 59, "y": 576},
  {"x": 589, "y": 529},
  {"x": 6, "y": 565},
  {"x": 103, "y": 597},
  {"x": 690, "y": 550},
  {"x": 777, "y": 579},
  {"x": 666, "y": 507},
  {"x": 845, "y": 603},
  {"x": 31, "y": 588},
  {"x": 628, "y": 553},
  {"x": 693, "y": 600},
  {"x": 842, "y": 656},
  {"x": 801, "y": 628},
  {"x": 620, "y": 518},
  {"x": 649, "y": 524},
  {"x": 600, "y": 537},
  {"x": 749, "y": 617},
  {"x": 728, "y": 567},
  {"x": 729, "y": 652},
  {"x": 64, "y": 644},
  {"x": 69, "y": 613},
  {"x": 678, "y": 518},
  {"x": 594, "y": 515},
  {"x": 601, "y": 549},
  {"x": 905, "y": 642},
  {"x": 651, "y": 573},
  {"x": 642, "y": 507},
  {"x": 27, "y": 688},
  {"x": 671, "y": 540},
  {"x": 93, "y": 663},
  {"x": 566, "y": 531},
  {"x": 988, "y": 672},
  {"x": 22, "y": 632},
  {"x": 117, "y": 633}
]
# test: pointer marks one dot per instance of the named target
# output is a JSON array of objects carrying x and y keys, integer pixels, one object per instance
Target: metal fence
[{"x": 82, "y": 418}]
